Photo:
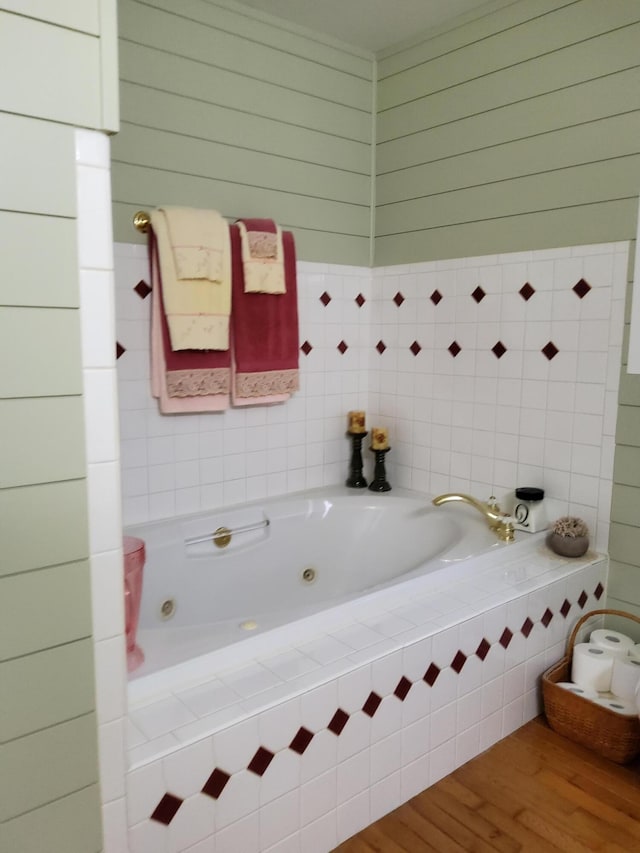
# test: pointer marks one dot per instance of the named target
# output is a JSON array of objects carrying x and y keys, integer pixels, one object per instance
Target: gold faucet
[{"x": 498, "y": 521}]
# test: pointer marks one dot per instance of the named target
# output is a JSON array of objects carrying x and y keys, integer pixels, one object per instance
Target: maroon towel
[{"x": 264, "y": 328}]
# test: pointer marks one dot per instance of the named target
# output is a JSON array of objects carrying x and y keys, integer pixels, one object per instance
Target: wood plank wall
[
  {"x": 516, "y": 130},
  {"x": 52, "y": 67},
  {"x": 222, "y": 109}
]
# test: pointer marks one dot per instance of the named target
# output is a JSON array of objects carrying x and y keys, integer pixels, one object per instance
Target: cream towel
[
  {"x": 262, "y": 274},
  {"x": 199, "y": 239},
  {"x": 197, "y": 310}
]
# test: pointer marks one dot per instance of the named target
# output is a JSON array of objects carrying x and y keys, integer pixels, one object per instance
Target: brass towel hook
[{"x": 141, "y": 221}]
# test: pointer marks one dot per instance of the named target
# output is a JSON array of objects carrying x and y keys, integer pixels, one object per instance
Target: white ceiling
[{"x": 369, "y": 24}]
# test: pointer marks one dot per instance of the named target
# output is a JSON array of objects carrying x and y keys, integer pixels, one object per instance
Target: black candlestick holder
[
  {"x": 379, "y": 482},
  {"x": 355, "y": 479}
]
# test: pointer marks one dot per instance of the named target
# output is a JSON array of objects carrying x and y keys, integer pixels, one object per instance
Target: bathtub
[
  {"x": 280, "y": 711},
  {"x": 288, "y": 559}
]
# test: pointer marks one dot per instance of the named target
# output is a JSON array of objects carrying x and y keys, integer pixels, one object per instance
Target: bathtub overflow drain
[
  {"x": 309, "y": 575},
  {"x": 167, "y": 608}
]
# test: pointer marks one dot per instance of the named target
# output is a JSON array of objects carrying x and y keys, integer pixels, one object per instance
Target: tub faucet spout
[{"x": 498, "y": 521}]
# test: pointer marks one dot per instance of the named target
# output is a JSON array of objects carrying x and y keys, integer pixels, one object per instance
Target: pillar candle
[
  {"x": 356, "y": 422},
  {"x": 379, "y": 438}
]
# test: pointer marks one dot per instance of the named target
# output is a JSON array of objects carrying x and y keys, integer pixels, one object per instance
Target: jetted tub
[{"x": 288, "y": 558}]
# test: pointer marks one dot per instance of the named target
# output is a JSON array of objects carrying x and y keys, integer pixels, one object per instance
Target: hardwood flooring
[{"x": 534, "y": 791}]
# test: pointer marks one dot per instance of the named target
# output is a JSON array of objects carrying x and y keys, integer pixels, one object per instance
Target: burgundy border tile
[
  {"x": 381, "y": 347},
  {"x": 415, "y": 348},
  {"x": 483, "y": 649},
  {"x": 301, "y": 740},
  {"x": 498, "y": 349},
  {"x": 342, "y": 347},
  {"x": 458, "y": 662},
  {"x": 583, "y": 599},
  {"x": 372, "y": 704},
  {"x": 398, "y": 299},
  {"x": 215, "y": 784},
  {"x": 598, "y": 591},
  {"x": 260, "y": 761},
  {"x": 325, "y": 299},
  {"x": 547, "y": 616},
  {"x": 454, "y": 348},
  {"x": 566, "y": 607},
  {"x": 526, "y": 291},
  {"x": 431, "y": 675},
  {"x": 527, "y": 627},
  {"x": 550, "y": 350},
  {"x": 166, "y": 809},
  {"x": 143, "y": 289},
  {"x": 505, "y": 639},
  {"x": 435, "y": 297},
  {"x": 478, "y": 294},
  {"x": 402, "y": 688},
  {"x": 360, "y": 300},
  {"x": 306, "y": 347},
  {"x": 581, "y": 288},
  {"x": 120, "y": 350},
  {"x": 338, "y": 721}
]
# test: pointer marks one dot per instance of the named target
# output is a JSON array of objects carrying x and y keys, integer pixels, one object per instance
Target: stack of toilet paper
[{"x": 606, "y": 670}]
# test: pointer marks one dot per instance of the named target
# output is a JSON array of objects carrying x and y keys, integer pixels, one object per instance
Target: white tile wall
[
  {"x": 97, "y": 317},
  {"x": 481, "y": 424},
  {"x": 182, "y": 463}
]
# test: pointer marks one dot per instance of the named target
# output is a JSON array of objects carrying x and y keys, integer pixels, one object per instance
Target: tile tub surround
[
  {"x": 502, "y": 371},
  {"x": 310, "y": 743},
  {"x": 489, "y": 372}
]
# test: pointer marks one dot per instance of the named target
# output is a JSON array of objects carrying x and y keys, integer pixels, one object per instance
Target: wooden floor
[{"x": 534, "y": 791}]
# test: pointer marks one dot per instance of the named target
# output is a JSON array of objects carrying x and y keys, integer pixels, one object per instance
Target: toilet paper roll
[
  {"x": 625, "y": 677},
  {"x": 586, "y": 692},
  {"x": 613, "y": 641},
  {"x": 592, "y": 667},
  {"x": 620, "y": 706}
]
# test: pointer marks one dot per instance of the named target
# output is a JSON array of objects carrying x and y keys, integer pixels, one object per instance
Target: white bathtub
[{"x": 291, "y": 558}]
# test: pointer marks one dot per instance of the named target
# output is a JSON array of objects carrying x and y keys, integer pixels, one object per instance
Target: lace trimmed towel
[
  {"x": 199, "y": 240},
  {"x": 262, "y": 256},
  {"x": 197, "y": 309},
  {"x": 264, "y": 333},
  {"x": 187, "y": 380}
]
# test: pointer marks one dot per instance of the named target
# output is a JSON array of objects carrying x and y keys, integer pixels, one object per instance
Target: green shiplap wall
[
  {"x": 224, "y": 110},
  {"x": 517, "y": 130},
  {"x": 49, "y": 793}
]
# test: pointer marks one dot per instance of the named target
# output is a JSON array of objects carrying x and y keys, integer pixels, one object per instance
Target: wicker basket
[{"x": 604, "y": 731}]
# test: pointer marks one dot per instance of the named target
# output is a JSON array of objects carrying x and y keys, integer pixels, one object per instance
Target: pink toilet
[{"x": 134, "y": 558}]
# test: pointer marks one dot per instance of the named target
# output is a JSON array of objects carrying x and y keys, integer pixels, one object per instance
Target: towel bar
[{"x": 142, "y": 220}]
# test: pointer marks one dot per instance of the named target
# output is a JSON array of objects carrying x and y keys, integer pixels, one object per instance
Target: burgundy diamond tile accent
[
  {"x": 260, "y": 761},
  {"x": 550, "y": 350},
  {"x": 143, "y": 289},
  {"x": 415, "y": 348},
  {"x": 431, "y": 674},
  {"x": 381, "y": 347},
  {"x": 547, "y": 616},
  {"x": 342, "y": 347},
  {"x": 583, "y": 599},
  {"x": 372, "y": 704},
  {"x": 435, "y": 297},
  {"x": 398, "y": 299},
  {"x": 120, "y": 350},
  {"x": 478, "y": 294},
  {"x": 215, "y": 784},
  {"x": 566, "y": 607},
  {"x": 581, "y": 288},
  {"x": 526, "y": 291},
  {"x": 166, "y": 809},
  {"x": 527, "y": 627},
  {"x": 483, "y": 649},
  {"x": 360, "y": 300},
  {"x": 301, "y": 741},
  {"x": 458, "y": 662},
  {"x": 306, "y": 347},
  {"x": 338, "y": 721},
  {"x": 325, "y": 299},
  {"x": 598, "y": 591},
  {"x": 454, "y": 348},
  {"x": 498, "y": 349},
  {"x": 506, "y": 638},
  {"x": 402, "y": 688}
]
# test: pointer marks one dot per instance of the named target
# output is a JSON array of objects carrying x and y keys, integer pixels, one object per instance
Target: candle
[
  {"x": 379, "y": 438},
  {"x": 356, "y": 422}
]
